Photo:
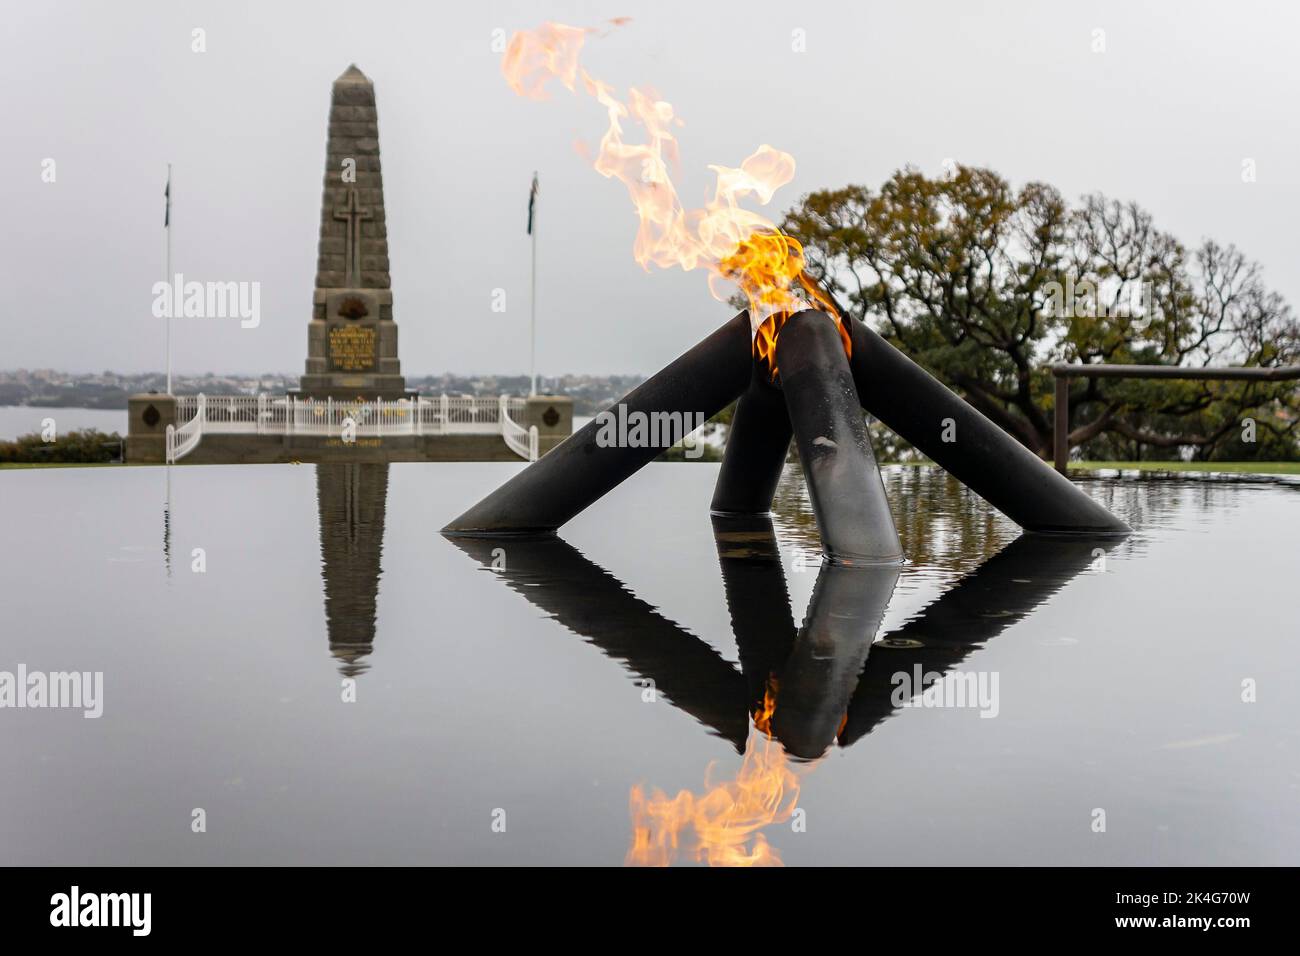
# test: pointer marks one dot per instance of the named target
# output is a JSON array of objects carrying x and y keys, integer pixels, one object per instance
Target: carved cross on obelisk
[{"x": 352, "y": 214}]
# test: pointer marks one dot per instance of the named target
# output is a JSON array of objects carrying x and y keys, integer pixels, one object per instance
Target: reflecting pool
[{"x": 298, "y": 653}]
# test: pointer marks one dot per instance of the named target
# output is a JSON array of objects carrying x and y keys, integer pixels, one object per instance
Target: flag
[
  {"x": 167, "y": 195},
  {"x": 532, "y": 201}
]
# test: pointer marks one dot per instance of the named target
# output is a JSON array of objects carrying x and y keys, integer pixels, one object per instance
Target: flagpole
[
  {"x": 532, "y": 299},
  {"x": 168, "y": 278}
]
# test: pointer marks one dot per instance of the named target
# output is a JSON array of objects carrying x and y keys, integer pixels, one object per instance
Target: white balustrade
[
  {"x": 181, "y": 441},
  {"x": 289, "y": 415},
  {"x": 523, "y": 442}
]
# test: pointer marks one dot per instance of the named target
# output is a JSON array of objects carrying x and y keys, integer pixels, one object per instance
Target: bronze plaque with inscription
[{"x": 352, "y": 348}]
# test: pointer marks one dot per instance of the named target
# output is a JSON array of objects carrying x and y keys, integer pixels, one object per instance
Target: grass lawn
[
  {"x": 1229, "y": 467},
  {"x": 56, "y": 464}
]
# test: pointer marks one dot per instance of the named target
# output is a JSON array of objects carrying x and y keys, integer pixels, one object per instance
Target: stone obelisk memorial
[
  {"x": 352, "y": 365},
  {"x": 352, "y": 338}
]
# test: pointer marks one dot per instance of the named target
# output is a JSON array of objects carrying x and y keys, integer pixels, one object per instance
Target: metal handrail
[{"x": 1280, "y": 373}]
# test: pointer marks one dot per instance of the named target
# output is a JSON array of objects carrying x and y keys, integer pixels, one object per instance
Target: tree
[
  {"x": 987, "y": 286},
  {"x": 89, "y": 446}
]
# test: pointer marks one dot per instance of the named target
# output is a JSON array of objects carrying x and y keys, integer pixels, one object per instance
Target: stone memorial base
[
  {"x": 147, "y": 418},
  {"x": 352, "y": 347},
  {"x": 353, "y": 387}
]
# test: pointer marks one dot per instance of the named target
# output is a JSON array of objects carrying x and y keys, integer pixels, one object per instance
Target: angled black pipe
[
  {"x": 953, "y": 434},
  {"x": 848, "y": 497},
  {"x": 758, "y": 601},
  {"x": 1002, "y": 591},
  {"x": 757, "y": 444},
  {"x": 589, "y": 601},
  {"x": 583, "y": 467},
  {"x": 821, "y": 675},
  {"x": 814, "y": 670}
]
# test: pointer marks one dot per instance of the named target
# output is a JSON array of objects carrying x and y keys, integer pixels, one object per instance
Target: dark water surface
[{"x": 550, "y": 689}]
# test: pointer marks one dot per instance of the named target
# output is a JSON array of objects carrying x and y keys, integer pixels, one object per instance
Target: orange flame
[
  {"x": 727, "y": 819},
  {"x": 734, "y": 244},
  {"x": 767, "y": 710}
]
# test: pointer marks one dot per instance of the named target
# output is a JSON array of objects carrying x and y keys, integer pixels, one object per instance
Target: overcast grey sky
[{"x": 1183, "y": 93}]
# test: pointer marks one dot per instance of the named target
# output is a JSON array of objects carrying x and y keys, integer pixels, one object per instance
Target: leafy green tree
[
  {"x": 987, "y": 286},
  {"x": 90, "y": 445}
]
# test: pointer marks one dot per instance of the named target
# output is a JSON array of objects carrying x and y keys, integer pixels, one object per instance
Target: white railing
[
  {"x": 290, "y": 415},
  {"x": 521, "y": 441},
  {"x": 181, "y": 441}
]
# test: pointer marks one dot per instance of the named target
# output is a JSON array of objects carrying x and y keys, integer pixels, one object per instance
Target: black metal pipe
[
  {"x": 581, "y": 469},
  {"x": 844, "y": 485},
  {"x": 815, "y": 669},
  {"x": 757, "y": 444},
  {"x": 1001, "y": 592},
  {"x": 967, "y": 445},
  {"x": 819, "y": 679},
  {"x": 758, "y": 601},
  {"x": 587, "y": 600}
]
